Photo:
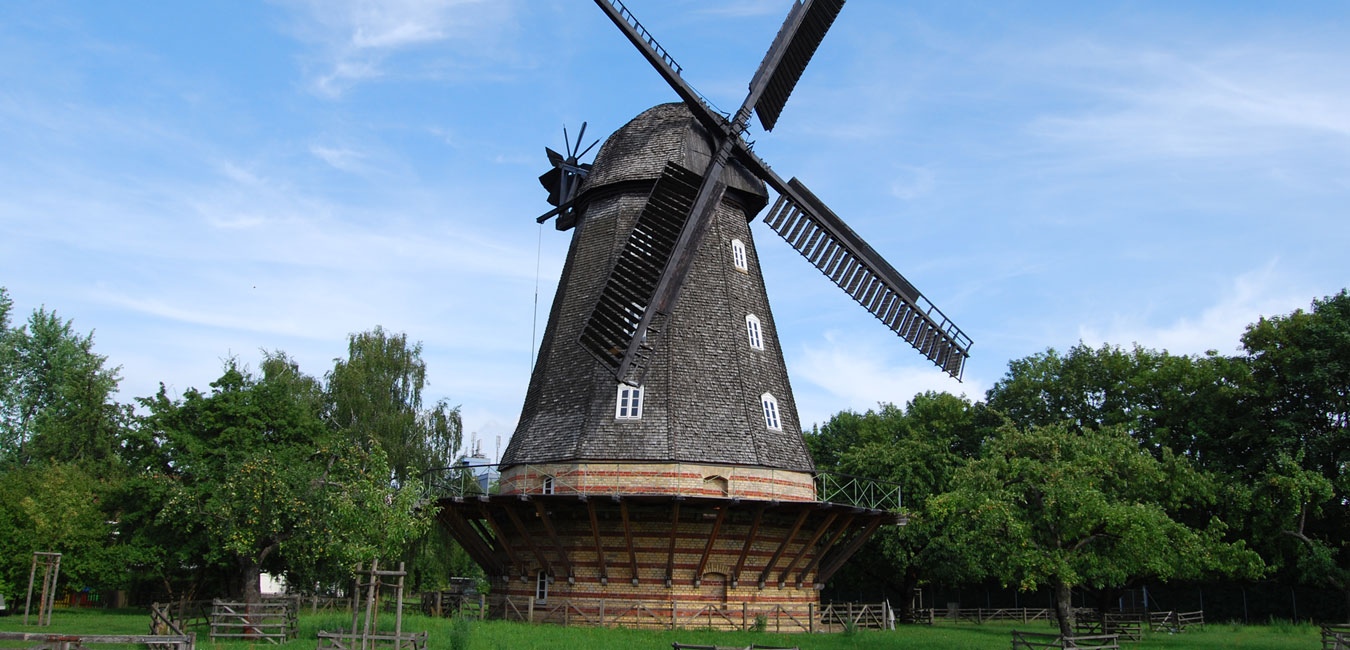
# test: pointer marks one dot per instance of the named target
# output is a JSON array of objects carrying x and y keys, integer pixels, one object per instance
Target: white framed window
[
  {"x": 770, "y": 412},
  {"x": 628, "y": 405},
  {"x": 541, "y": 587},
  {"x": 753, "y": 330},
  {"x": 547, "y": 485},
  {"x": 738, "y": 255}
]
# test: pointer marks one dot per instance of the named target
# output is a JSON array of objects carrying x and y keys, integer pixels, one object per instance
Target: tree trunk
[
  {"x": 250, "y": 586},
  {"x": 907, "y": 585},
  {"x": 1063, "y": 605},
  {"x": 250, "y": 580}
]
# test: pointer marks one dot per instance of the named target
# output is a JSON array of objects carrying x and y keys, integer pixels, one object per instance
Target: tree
[
  {"x": 1301, "y": 367},
  {"x": 918, "y": 448},
  {"x": 251, "y": 469},
  {"x": 376, "y": 394},
  {"x": 1193, "y": 405},
  {"x": 62, "y": 508},
  {"x": 56, "y": 393},
  {"x": 1051, "y": 507},
  {"x": 375, "y": 397}
]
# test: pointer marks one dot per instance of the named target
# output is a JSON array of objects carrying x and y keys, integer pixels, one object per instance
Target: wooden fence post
[
  {"x": 530, "y": 616},
  {"x": 482, "y": 606},
  {"x": 811, "y": 617}
]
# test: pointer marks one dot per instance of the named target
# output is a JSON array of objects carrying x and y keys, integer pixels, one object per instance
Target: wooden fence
[
  {"x": 1041, "y": 641},
  {"x": 180, "y": 617},
  {"x": 272, "y": 621},
  {"x": 1336, "y": 637},
  {"x": 666, "y": 615},
  {"x": 1172, "y": 621},
  {"x": 1129, "y": 626},
  {"x": 450, "y": 603},
  {"x": 48, "y": 641},
  {"x": 376, "y": 641},
  {"x": 985, "y": 615}
]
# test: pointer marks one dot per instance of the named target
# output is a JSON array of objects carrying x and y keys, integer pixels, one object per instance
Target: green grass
[{"x": 495, "y": 635}]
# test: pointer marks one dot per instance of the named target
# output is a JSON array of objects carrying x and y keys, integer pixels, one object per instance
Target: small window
[
  {"x": 547, "y": 487},
  {"x": 541, "y": 587},
  {"x": 770, "y": 412},
  {"x": 738, "y": 255},
  {"x": 752, "y": 329},
  {"x": 629, "y": 404}
]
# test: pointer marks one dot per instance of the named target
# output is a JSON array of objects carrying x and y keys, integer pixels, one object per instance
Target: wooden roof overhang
[{"x": 491, "y": 530}]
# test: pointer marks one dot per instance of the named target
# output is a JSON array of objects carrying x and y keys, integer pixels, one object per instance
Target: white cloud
[
  {"x": 1236, "y": 101},
  {"x": 840, "y": 373},
  {"x": 1251, "y": 295},
  {"x": 354, "y": 38},
  {"x": 340, "y": 158}
]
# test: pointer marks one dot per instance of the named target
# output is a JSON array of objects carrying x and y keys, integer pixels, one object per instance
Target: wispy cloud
[
  {"x": 1260, "y": 292},
  {"x": 840, "y": 373},
  {"x": 1173, "y": 103},
  {"x": 355, "y": 38}
]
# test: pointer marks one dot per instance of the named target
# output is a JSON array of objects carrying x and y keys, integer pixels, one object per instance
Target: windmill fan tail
[{"x": 881, "y": 291}]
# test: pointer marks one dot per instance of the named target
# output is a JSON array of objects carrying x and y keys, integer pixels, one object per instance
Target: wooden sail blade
[
  {"x": 630, "y": 289},
  {"x": 664, "y": 63},
  {"x": 832, "y": 247},
  {"x": 792, "y": 49}
]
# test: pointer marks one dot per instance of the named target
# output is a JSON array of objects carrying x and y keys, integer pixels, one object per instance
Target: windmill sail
[
  {"x": 792, "y": 49},
  {"x": 832, "y": 247},
  {"x": 630, "y": 289}
]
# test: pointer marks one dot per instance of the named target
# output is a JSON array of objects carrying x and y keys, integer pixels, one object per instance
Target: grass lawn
[{"x": 495, "y": 635}]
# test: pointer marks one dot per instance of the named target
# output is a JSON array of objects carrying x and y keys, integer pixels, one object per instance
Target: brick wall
[{"x": 688, "y": 479}]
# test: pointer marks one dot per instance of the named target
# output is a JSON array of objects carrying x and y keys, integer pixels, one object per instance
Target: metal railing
[{"x": 644, "y": 478}]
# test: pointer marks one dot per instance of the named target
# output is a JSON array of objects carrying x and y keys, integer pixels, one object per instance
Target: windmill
[
  {"x": 645, "y": 283},
  {"x": 658, "y": 469}
]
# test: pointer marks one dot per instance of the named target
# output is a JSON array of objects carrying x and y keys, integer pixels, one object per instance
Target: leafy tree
[
  {"x": 919, "y": 448},
  {"x": 251, "y": 470},
  {"x": 1193, "y": 405},
  {"x": 375, "y": 397},
  {"x": 1050, "y": 507},
  {"x": 56, "y": 393},
  {"x": 61, "y": 508},
  {"x": 1301, "y": 367}
]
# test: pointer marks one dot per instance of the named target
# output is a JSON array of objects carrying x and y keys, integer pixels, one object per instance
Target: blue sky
[{"x": 195, "y": 180}]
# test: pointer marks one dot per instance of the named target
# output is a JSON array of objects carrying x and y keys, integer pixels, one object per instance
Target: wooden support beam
[
  {"x": 782, "y": 546},
  {"x": 628, "y": 539},
  {"x": 848, "y": 551},
  {"x": 745, "y": 550},
  {"x": 782, "y": 577},
  {"x": 557, "y": 543},
  {"x": 824, "y": 550},
  {"x": 506, "y": 543},
  {"x": 707, "y": 548},
  {"x": 529, "y": 540},
  {"x": 674, "y": 533},
  {"x": 599, "y": 548},
  {"x": 470, "y": 539}
]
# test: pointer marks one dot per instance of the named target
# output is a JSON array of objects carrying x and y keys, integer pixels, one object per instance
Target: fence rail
[
  {"x": 832, "y": 487},
  {"x": 1041, "y": 641},
  {"x": 1336, "y": 637},
  {"x": 274, "y": 622},
  {"x": 48, "y": 641},
  {"x": 665, "y": 615}
]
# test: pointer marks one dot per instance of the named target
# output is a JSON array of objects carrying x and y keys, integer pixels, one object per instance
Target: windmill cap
[{"x": 639, "y": 150}]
